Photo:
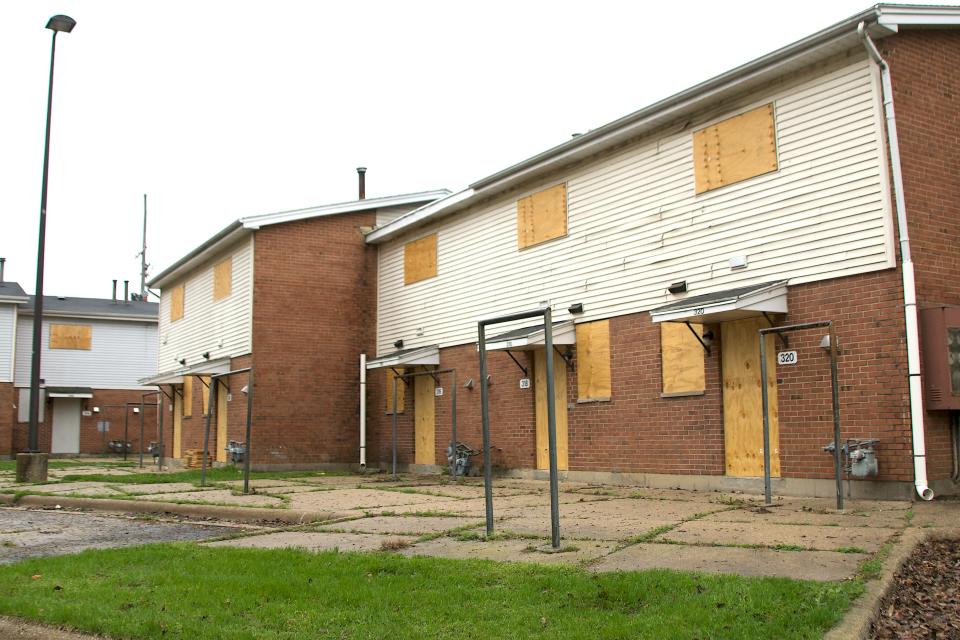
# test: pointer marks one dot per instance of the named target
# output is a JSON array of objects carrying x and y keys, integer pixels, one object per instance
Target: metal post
[
  {"x": 767, "y": 491},
  {"x": 552, "y": 431},
  {"x": 246, "y": 451},
  {"x": 141, "y": 431},
  {"x": 126, "y": 420},
  {"x": 394, "y": 424},
  {"x": 453, "y": 424},
  {"x": 211, "y": 402},
  {"x": 485, "y": 422},
  {"x": 160, "y": 398},
  {"x": 835, "y": 387}
]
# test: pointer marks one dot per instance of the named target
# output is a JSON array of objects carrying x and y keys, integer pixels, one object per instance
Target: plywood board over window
[
  {"x": 593, "y": 361},
  {"x": 401, "y": 390},
  {"x": 71, "y": 336},
  {"x": 542, "y": 216},
  {"x": 736, "y": 149},
  {"x": 420, "y": 259},
  {"x": 222, "y": 279},
  {"x": 176, "y": 303},
  {"x": 188, "y": 396},
  {"x": 205, "y": 394},
  {"x": 682, "y": 359}
]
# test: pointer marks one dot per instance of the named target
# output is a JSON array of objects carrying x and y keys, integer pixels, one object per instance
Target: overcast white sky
[{"x": 220, "y": 109}]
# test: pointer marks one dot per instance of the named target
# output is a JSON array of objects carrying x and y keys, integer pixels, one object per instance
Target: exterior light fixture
[
  {"x": 708, "y": 338},
  {"x": 575, "y": 308},
  {"x": 96, "y": 409},
  {"x": 678, "y": 287},
  {"x": 206, "y": 355},
  {"x": 398, "y": 344},
  {"x": 468, "y": 384},
  {"x": 136, "y": 409},
  {"x": 182, "y": 361}
]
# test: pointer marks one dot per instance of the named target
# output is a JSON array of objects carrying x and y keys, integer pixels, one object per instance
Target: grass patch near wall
[
  {"x": 215, "y": 474},
  {"x": 11, "y": 465},
  {"x": 195, "y": 592}
]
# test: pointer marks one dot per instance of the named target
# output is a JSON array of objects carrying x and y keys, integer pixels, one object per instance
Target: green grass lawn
[{"x": 187, "y": 591}]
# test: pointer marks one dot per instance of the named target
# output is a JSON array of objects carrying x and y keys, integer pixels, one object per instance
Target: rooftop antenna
[{"x": 143, "y": 254}]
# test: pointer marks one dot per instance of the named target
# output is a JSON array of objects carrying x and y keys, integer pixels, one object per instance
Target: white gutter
[
  {"x": 363, "y": 411},
  {"x": 909, "y": 280}
]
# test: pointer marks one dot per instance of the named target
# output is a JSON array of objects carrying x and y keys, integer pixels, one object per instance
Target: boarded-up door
[
  {"x": 425, "y": 448},
  {"x": 743, "y": 402},
  {"x": 177, "y": 421},
  {"x": 66, "y": 426},
  {"x": 221, "y": 422},
  {"x": 560, "y": 401}
]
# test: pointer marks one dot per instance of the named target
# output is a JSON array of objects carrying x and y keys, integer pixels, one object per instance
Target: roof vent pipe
[
  {"x": 114, "y": 291},
  {"x": 362, "y": 176},
  {"x": 2, "y": 262},
  {"x": 126, "y": 291}
]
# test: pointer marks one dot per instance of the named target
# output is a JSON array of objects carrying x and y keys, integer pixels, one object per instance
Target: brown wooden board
[
  {"x": 222, "y": 279},
  {"x": 188, "y": 382},
  {"x": 420, "y": 259},
  {"x": 71, "y": 336},
  {"x": 593, "y": 361},
  {"x": 176, "y": 303},
  {"x": 560, "y": 402},
  {"x": 742, "y": 400},
  {"x": 425, "y": 447},
  {"x": 177, "y": 423},
  {"x": 222, "y": 415},
  {"x": 682, "y": 358},
  {"x": 542, "y": 216},
  {"x": 401, "y": 389},
  {"x": 735, "y": 149}
]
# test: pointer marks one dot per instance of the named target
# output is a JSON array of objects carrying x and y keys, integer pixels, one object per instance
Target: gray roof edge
[
  {"x": 215, "y": 241},
  {"x": 93, "y": 308}
]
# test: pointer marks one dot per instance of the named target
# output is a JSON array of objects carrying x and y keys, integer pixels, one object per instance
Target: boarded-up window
[
  {"x": 176, "y": 303},
  {"x": 735, "y": 149},
  {"x": 542, "y": 216},
  {"x": 420, "y": 259},
  {"x": 593, "y": 361},
  {"x": 682, "y": 359},
  {"x": 188, "y": 396},
  {"x": 71, "y": 336},
  {"x": 205, "y": 392},
  {"x": 401, "y": 390},
  {"x": 222, "y": 279}
]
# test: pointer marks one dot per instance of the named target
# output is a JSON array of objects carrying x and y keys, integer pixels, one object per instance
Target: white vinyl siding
[
  {"x": 220, "y": 327},
  {"x": 122, "y": 352},
  {"x": 8, "y": 323},
  {"x": 635, "y": 224}
]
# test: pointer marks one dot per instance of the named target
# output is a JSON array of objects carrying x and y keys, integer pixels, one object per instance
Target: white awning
[
  {"x": 163, "y": 378},
  {"x": 529, "y": 338},
  {"x": 204, "y": 368},
  {"x": 407, "y": 358},
  {"x": 722, "y": 306},
  {"x": 69, "y": 392}
]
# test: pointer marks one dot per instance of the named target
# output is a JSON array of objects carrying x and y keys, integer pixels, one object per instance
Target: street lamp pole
[{"x": 56, "y": 24}]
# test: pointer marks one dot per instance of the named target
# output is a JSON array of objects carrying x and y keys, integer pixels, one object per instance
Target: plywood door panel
[
  {"x": 742, "y": 399},
  {"x": 222, "y": 422},
  {"x": 560, "y": 402},
  {"x": 593, "y": 360},
  {"x": 177, "y": 422},
  {"x": 425, "y": 448},
  {"x": 66, "y": 426}
]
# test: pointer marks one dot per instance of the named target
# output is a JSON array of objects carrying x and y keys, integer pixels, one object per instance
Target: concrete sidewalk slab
[
  {"x": 940, "y": 514},
  {"x": 353, "y": 499},
  {"x": 802, "y": 565},
  {"x": 774, "y": 515},
  {"x": 156, "y": 488},
  {"x": 821, "y": 538},
  {"x": 509, "y": 551},
  {"x": 402, "y": 525},
  {"x": 216, "y": 496},
  {"x": 311, "y": 541}
]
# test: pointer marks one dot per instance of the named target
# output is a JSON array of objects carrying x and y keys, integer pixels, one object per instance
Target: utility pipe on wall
[
  {"x": 909, "y": 279},
  {"x": 363, "y": 411}
]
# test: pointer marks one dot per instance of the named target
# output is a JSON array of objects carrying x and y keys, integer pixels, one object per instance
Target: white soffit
[
  {"x": 424, "y": 356},
  {"x": 529, "y": 338},
  {"x": 723, "y": 306}
]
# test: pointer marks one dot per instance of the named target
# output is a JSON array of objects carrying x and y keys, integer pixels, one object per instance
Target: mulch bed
[{"x": 924, "y": 599}]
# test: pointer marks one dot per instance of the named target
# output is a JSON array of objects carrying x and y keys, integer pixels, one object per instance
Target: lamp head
[{"x": 61, "y": 23}]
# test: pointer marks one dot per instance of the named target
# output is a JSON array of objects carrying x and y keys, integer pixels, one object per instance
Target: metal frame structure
[
  {"x": 126, "y": 422},
  {"x": 453, "y": 408},
  {"x": 211, "y": 408},
  {"x": 547, "y": 316},
  {"x": 766, "y": 406}
]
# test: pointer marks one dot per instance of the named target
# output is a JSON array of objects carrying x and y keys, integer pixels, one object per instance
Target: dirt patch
[
  {"x": 16, "y": 629},
  {"x": 924, "y": 599}
]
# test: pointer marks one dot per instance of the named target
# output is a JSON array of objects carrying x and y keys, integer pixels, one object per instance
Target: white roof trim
[
  {"x": 263, "y": 220},
  {"x": 212, "y": 367},
  {"x": 68, "y": 395},
  {"x": 163, "y": 378},
  {"x": 422, "y": 356},
  {"x": 894, "y": 16},
  {"x": 414, "y": 217},
  {"x": 772, "y": 299},
  {"x": 563, "y": 333}
]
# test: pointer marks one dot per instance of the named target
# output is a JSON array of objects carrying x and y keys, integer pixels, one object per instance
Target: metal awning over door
[
  {"x": 415, "y": 356},
  {"x": 530, "y": 338},
  {"x": 723, "y": 306}
]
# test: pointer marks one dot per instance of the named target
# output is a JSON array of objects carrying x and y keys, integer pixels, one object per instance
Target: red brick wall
[
  {"x": 8, "y": 416},
  {"x": 638, "y": 431},
  {"x": 923, "y": 67},
  {"x": 112, "y": 409},
  {"x": 314, "y": 313}
]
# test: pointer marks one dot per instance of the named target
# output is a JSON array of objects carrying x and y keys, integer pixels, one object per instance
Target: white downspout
[
  {"x": 909, "y": 281},
  {"x": 363, "y": 411}
]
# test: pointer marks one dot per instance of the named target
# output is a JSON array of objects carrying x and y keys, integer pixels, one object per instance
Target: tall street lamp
[{"x": 34, "y": 467}]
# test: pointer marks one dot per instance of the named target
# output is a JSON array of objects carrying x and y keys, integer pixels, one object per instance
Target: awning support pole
[
  {"x": 395, "y": 379},
  {"x": 517, "y": 362},
  {"x": 696, "y": 335},
  {"x": 780, "y": 336}
]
